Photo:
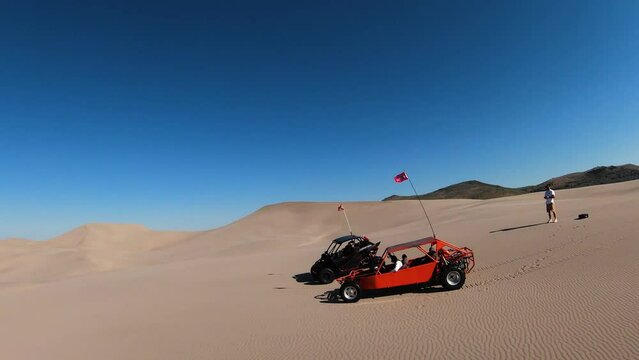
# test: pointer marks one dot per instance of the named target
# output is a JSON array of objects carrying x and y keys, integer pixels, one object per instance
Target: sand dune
[
  {"x": 565, "y": 290},
  {"x": 86, "y": 249}
]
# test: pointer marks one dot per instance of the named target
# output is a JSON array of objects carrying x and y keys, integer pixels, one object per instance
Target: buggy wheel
[
  {"x": 314, "y": 272},
  {"x": 326, "y": 276},
  {"x": 452, "y": 278},
  {"x": 350, "y": 292}
]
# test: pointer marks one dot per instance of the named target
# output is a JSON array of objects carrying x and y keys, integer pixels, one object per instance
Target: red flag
[
  {"x": 340, "y": 208},
  {"x": 401, "y": 177}
]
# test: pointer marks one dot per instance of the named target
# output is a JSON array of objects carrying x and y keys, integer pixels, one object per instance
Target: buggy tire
[
  {"x": 452, "y": 278},
  {"x": 326, "y": 276},
  {"x": 350, "y": 292},
  {"x": 314, "y": 272}
]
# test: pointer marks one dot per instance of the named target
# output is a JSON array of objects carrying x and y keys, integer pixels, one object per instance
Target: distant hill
[
  {"x": 595, "y": 176},
  {"x": 474, "y": 189}
]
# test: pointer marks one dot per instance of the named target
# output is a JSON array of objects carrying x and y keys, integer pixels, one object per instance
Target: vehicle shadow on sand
[
  {"x": 306, "y": 278},
  {"x": 333, "y": 297},
  {"x": 519, "y": 227}
]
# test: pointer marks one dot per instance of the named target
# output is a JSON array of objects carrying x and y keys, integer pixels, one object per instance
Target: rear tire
[
  {"x": 350, "y": 292},
  {"x": 452, "y": 278},
  {"x": 326, "y": 276}
]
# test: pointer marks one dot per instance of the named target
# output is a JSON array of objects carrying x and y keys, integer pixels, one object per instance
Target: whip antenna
[
  {"x": 341, "y": 208},
  {"x": 403, "y": 177}
]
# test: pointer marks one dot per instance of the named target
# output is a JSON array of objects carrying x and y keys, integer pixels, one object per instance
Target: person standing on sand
[{"x": 549, "y": 195}]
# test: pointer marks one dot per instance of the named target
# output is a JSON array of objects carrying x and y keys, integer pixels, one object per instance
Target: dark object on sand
[
  {"x": 582, "y": 216},
  {"x": 337, "y": 262}
]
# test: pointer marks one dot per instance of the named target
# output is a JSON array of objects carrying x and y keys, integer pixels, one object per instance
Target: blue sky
[{"x": 190, "y": 115}]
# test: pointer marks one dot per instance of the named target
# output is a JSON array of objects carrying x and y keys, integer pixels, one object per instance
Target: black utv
[{"x": 339, "y": 260}]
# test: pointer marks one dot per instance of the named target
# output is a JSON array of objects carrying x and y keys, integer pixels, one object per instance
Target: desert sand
[{"x": 108, "y": 291}]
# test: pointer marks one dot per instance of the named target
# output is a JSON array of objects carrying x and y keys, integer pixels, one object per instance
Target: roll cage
[
  {"x": 438, "y": 251},
  {"x": 336, "y": 244}
]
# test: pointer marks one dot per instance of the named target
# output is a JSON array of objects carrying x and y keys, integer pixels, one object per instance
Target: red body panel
[{"x": 412, "y": 275}]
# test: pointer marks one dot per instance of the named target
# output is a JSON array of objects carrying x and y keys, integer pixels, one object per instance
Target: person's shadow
[{"x": 518, "y": 227}]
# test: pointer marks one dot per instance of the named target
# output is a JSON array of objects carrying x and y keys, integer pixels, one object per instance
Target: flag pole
[
  {"x": 343, "y": 209},
  {"x": 348, "y": 223},
  {"x": 422, "y": 205}
]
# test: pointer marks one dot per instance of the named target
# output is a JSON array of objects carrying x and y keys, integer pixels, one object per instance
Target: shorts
[{"x": 550, "y": 207}]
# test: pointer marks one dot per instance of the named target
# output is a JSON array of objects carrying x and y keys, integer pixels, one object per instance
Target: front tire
[
  {"x": 326, "y": 276},
  {"x": 452, "y": 278},
  {"x": 350, "y": 292},
  {"x": 314, "y": 272}
]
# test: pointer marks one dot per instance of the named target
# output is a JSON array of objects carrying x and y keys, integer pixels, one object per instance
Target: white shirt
[
  {"x": 549, "y": 199},
  {"x": 398, "y": 265}
]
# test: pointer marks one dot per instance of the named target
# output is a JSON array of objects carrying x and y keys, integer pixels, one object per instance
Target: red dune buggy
[{"x": 432, "y": 262}]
